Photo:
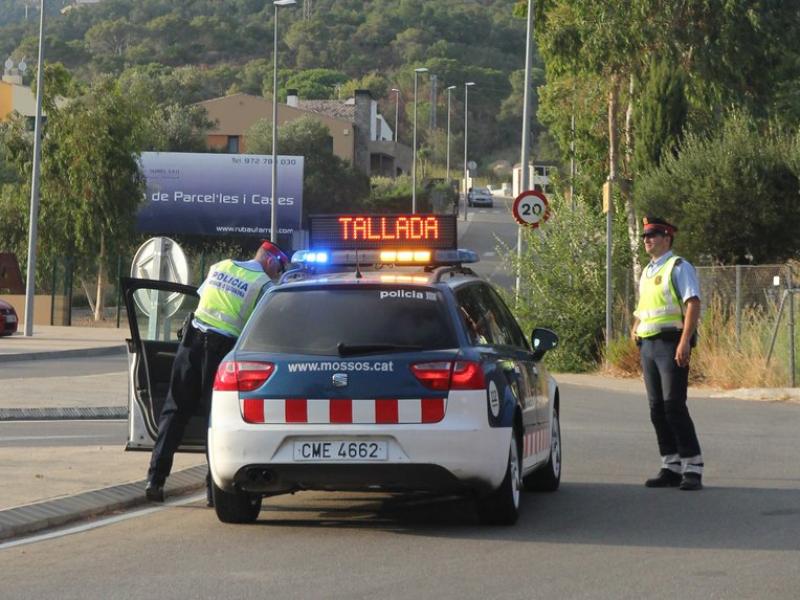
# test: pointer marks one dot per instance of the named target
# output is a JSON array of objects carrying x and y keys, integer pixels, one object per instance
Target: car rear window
[{"x": 316, "y": 321}]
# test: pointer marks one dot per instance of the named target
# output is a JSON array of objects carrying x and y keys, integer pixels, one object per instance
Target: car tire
[
  {"x": 547, "y": 478},
  {"x": 501, "y": 507},
  {"x": 235, "y": 507}
]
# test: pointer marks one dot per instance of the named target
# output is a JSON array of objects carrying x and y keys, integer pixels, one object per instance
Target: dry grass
[{"x": 719, "y": 360}]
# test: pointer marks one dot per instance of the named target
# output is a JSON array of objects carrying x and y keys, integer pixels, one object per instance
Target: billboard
[{"x": 218, "y": 194}]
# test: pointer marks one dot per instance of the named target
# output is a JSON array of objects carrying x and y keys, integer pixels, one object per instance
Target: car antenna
[{"x": 358, "y": 267}]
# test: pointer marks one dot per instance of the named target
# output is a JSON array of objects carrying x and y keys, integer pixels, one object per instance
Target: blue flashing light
[{"x": 310, "y": 257}]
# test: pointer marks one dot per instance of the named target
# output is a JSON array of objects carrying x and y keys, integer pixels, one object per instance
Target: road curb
[
  {"x": 65, "y": 413},
  {"x": 31, "y": 518},
  {"x": 99, "y": 351}
]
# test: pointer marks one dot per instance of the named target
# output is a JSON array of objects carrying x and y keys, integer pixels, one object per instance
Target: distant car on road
[
  {"x": 480, "y": 196},
  {"x": 8, "y": 318}
]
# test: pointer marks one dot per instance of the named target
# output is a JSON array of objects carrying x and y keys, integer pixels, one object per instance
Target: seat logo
[{"x": 339, "y": 379}]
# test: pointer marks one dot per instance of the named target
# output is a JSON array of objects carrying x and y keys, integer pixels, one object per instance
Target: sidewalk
[
  {"x": 49, "y": 486},
  {"x": 49, "y": 341}
]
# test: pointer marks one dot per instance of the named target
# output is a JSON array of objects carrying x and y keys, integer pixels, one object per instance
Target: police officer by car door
[{"x": 227, "y": 298}]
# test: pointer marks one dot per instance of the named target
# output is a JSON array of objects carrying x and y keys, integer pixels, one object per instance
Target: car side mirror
[{"x": 543, "y": 340}]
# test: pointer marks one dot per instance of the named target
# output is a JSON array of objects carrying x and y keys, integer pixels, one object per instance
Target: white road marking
[{"x": 100, "y": 523}]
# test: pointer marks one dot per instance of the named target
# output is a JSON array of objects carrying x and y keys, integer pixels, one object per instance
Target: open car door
[{"x": 156, "y": 311}]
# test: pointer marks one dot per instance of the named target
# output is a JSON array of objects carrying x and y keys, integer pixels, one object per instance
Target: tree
[
  {"x": 330, "y": 184},
  {"x": 315, "y": 84},
  {"x": 91, "y": 184},
  {"x": 733, "y": 194},
  {"x": 177, "y": 128},
  {"x": 661, "y": 116}
]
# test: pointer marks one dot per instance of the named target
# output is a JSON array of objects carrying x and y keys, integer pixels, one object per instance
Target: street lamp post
[
  {"x": 414, "y": 144},
  {"x": 526, "y": 129},
  {"x": 467, "y": 85},
  {"x": 33, "y": 226},
  {"x": 273, "y": 218},
  {"x": 396, "y": 112},
  {"x": 449, "y": 90}
]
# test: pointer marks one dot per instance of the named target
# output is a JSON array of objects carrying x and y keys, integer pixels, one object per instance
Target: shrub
[
  {"x": 733, "y": 194},
  {"x": 563, "y": 281}
]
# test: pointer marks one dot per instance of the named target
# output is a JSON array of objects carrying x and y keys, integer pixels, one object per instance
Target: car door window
[
  {"x": 479, "y": 316},
  {"x": 506, "y": 321}
]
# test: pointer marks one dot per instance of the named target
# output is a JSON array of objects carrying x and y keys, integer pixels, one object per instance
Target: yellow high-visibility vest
[
  {"x": 229, "y": 296},
  {"x": 659, "y": 307}
]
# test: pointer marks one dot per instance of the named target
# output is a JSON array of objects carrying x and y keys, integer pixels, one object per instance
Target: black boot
[
  {"x": 154, "y": 491},
  {"x": 691, "y": 482},
  {"x": 665, "y": 478}
]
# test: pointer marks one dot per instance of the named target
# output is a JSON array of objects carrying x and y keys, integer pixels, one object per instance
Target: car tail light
[
  {"x": 447, "y": 375},
  {"x": 467, "y": 375},
  {"x": 242, "y": 376},
  {"x": 433, "y": 375}
]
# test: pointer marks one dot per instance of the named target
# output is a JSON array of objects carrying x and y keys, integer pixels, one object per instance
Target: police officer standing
[
  {"x": 665, "y": 328},
  {"x": 227, "y": 297}
]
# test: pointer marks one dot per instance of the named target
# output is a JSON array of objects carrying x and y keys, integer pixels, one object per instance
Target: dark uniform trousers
[
  {"x": 666, "y": 385},
  {"x": 190, "y": 387}
]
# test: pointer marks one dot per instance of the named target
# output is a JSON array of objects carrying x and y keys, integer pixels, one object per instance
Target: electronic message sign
[{"x": 337, "y": 232}]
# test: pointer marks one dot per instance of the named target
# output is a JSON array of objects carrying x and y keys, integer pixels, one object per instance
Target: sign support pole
[{"x": 525, "y": 150}]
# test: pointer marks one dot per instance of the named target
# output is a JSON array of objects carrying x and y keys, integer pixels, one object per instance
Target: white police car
[{"x": 382, "y": 369}]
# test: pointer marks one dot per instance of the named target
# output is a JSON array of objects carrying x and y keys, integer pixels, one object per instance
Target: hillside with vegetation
[{"x": 195, "y": 50}]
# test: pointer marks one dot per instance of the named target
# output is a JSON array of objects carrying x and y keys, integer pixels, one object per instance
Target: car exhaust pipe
[{"x": 260, "y": 476}]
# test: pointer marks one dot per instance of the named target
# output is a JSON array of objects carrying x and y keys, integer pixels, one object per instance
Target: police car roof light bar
[{"x": 358, "y": 258}]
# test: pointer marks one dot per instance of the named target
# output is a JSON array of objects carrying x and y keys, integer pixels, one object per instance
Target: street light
[
  {"x": 33, "y": 226},
  {"x": 273, "y": 213},
  {"x": 466, "y": 116},
  {"x": 449, "y": 89},
  {"x": 414, "y": 144},
  {"x": 396, "y": 111},
  {"x": 524, "y": 181}
]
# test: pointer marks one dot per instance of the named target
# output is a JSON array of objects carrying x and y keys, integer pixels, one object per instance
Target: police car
[{"x": 380, "y": 363}]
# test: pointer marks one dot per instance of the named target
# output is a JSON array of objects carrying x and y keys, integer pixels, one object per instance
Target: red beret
[
  {"x": 658, "y": 225},
  {"x": 273, "y": 249}
]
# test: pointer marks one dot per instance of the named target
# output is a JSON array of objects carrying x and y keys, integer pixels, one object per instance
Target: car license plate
[
  {"x": 11, "y": 318},
  {"x": 340, "y": 450}
]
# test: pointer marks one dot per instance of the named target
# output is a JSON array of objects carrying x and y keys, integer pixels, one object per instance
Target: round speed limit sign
[{"x": 531, "y": 208}]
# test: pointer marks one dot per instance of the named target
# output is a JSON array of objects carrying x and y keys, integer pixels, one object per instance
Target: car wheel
[
  {"x": 547, "y": 478},
  {"x": 235, "y": 507},
  {"x": 501, "y": 507}
]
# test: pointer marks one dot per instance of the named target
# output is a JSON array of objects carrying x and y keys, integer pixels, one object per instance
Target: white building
[{"x": 538, "y": 175}]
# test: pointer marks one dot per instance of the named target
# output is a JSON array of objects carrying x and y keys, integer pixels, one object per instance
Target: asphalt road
[
  {"x": 490, "y": 231},
  {"x": 602, "y": 535}
]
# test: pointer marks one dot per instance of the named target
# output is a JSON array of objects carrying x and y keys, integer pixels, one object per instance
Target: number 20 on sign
[{"x": 531, "y": 208}]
